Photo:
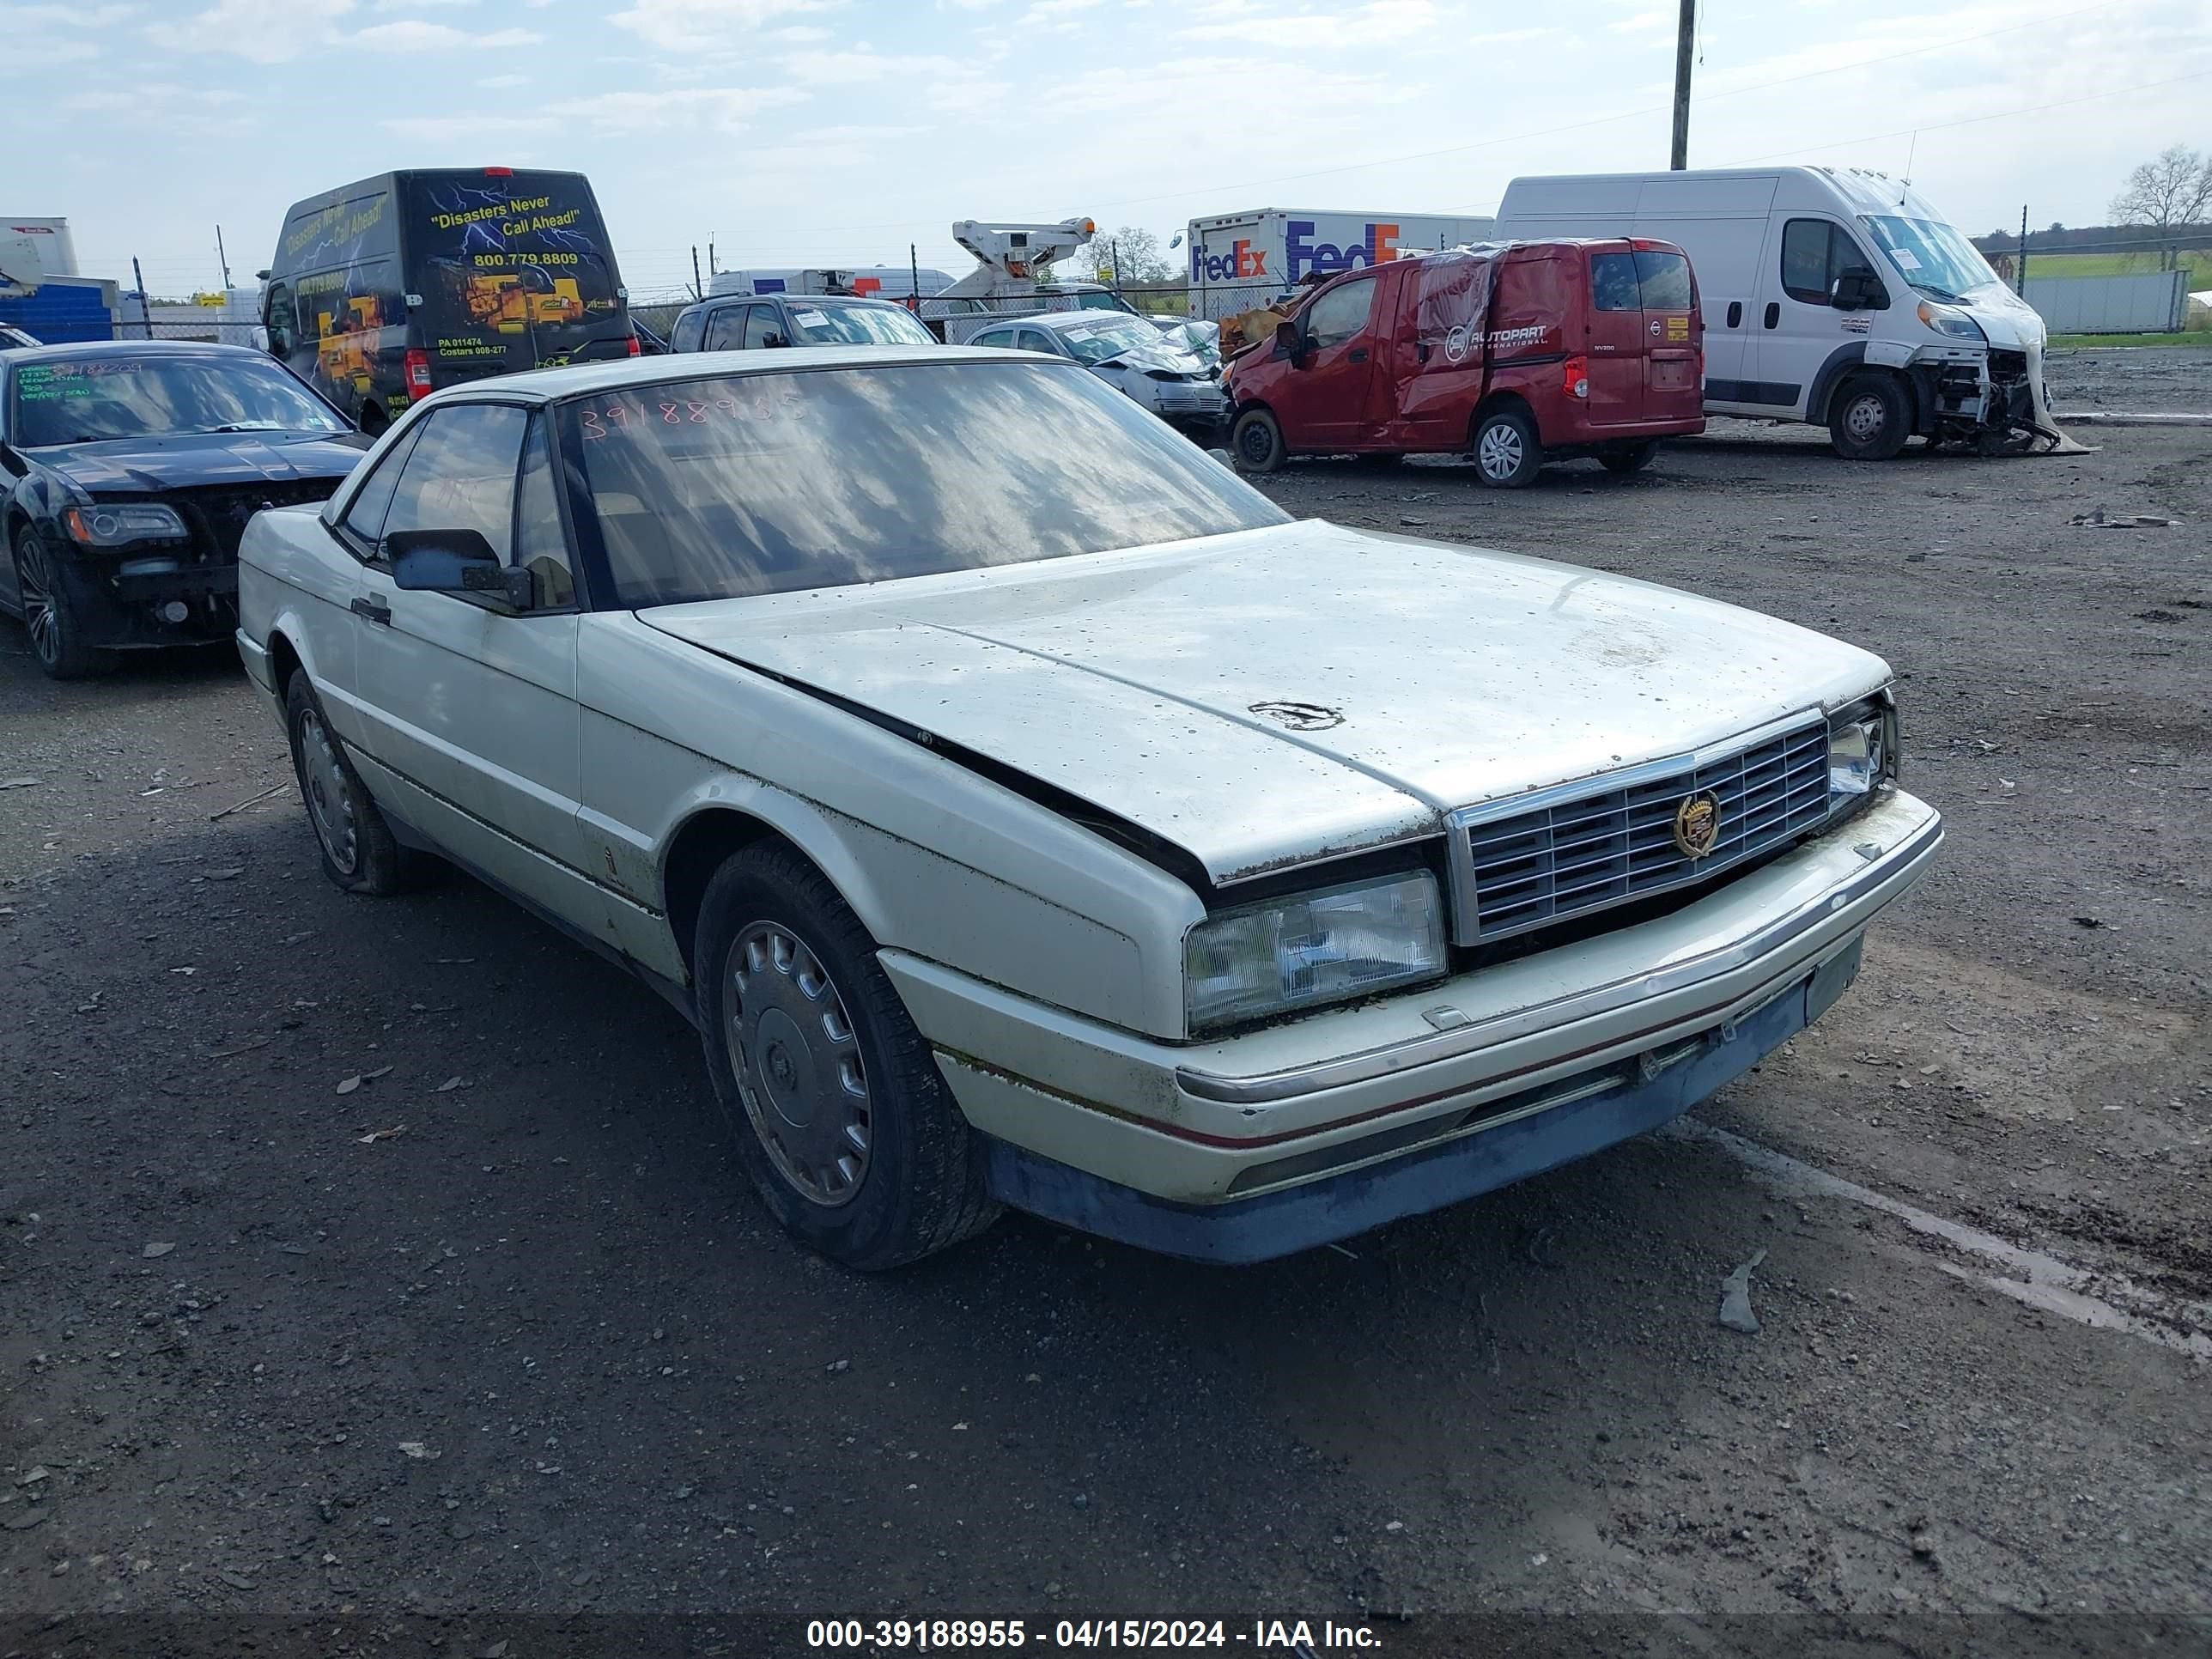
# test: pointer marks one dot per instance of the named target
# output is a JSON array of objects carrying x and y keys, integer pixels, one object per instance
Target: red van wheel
[
  {"x": 1256, "y": 441},
  {"x": 1506, "y": 453}
]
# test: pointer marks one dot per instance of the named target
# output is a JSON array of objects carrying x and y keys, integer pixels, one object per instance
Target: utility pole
[
  {"x": 145, "y": 310},
  {"x": 223, "y": 259},
  {"x": 697, "y": 292},
  {"x": 2019, "y": 277},
  {"x": 1686, "y": 34},
  {"x": 710, "y": 253}
]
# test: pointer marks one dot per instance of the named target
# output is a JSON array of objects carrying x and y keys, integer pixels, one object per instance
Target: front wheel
[
  {"x": 842, "y": 1120},
  {"x": 1627, "y": 458},
  {"x": 56, "y": 637},
  {"x": 1506, "y": 453},
  {"x": 359, "y": 853},
  {"x": 1256, "y": 441},
  {"x": 1870, "y": 420}
]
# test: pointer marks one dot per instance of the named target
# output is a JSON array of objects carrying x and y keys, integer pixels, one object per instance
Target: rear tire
[
  {"x": 842, "y": 1119},
  {"x": 1506, "y": 453},
  {"x": 1626, "y": 458},
  {"x": 56, "y": 637},
  {"x": 359, "y": 853},
  {"x": 1868, "y": 420},
  {"x": 1256, "y": 441}
]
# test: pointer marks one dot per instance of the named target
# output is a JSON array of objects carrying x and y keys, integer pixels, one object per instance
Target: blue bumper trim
[{"x": 1319, "y": 1212}]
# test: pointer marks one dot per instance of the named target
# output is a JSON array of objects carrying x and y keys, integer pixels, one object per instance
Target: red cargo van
[{"x": 1521, "y": 353}]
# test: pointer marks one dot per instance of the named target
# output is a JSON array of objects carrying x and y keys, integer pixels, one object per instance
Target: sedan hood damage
[
  {"x": 1279, "y": 696},
  {"x": 125, "y": 466}
]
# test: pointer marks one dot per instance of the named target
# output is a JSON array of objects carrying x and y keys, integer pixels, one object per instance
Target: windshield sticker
[
  {"x": 812, "y": 318},
  {"x": 1906, "y": 259}
]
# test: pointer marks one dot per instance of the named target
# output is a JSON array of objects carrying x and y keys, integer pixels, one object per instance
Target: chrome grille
[{"x": 1571, "y": 855}]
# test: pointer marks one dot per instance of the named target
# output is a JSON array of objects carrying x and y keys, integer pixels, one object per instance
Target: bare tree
[
  {"x": 2173, "y": 189},
  {"x": 1133, "y": 253}
]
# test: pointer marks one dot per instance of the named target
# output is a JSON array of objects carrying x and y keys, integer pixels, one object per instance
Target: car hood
[
  {"x": 1281, "y": 694},
  {"x": 150, "y": 465}
]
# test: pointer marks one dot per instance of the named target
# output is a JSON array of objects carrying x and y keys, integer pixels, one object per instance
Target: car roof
[
  {"x": 547, "y": 385},
  {"x": 133, "y": 349},
  {"x": 797, "y": 300}
]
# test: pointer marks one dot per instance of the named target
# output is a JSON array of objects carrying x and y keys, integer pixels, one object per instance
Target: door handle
[
  {"x": 1356, "y": 355},
  {"x": 1774, "y": 313},
  {"x": 1421, "y": 352},
  {"x": 375, "y": 609}
]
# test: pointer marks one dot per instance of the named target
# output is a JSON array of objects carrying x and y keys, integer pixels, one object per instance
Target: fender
[{"x": 1840, "y": 361}]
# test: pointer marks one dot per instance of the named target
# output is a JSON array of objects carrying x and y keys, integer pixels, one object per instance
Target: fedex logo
[
  {"x": 1242, "y": 261},
  {"x": 1304, "y": 253}
]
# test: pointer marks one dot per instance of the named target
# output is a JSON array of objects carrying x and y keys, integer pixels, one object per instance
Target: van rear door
[
  {"x": 1671, "y": 333},
  {"x": 1617, "y": 339}
]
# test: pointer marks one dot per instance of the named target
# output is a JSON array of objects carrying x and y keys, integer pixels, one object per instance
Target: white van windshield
[{"x": 1931, "y": 256}]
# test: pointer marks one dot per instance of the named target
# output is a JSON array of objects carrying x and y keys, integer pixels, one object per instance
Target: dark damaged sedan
[{"x": 130, "y": 469}]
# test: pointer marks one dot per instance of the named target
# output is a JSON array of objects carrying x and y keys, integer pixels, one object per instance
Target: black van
[{"x": 383, "y": 291}]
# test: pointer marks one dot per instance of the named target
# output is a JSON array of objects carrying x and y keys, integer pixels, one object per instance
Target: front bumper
[
  {"x": 118, "y": 611},
  {"x": 1518, "y": 1065}
]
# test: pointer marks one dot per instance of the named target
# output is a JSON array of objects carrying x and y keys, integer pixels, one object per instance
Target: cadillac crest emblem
[{"x": 1697, "y": 824}]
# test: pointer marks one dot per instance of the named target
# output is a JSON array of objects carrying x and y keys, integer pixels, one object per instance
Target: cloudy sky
[{"x": 837, "y": 131}]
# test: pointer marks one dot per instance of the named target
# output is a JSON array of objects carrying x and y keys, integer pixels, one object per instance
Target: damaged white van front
[{"x": 1830, "y": 295}]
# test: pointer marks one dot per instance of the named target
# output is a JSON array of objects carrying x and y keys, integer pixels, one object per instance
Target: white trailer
[
  {"x": 49, "y": 239},
  {"x": 1242, "y": 260},
  {"x": 893, "y": 283}
]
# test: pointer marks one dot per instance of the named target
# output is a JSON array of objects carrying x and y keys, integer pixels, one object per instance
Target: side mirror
[
  {"x": 280, "y": 340},
  {"x": 1290, "y": 340},
  {"x": 1223, "y": 457},
  {"x": 454, "y": 562},
  {"x": 1854, "y": 289}
]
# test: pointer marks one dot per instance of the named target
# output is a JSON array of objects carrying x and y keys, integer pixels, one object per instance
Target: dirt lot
[{"x": 538, "y": 1369}]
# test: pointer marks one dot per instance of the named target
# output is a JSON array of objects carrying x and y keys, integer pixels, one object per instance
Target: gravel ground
[{"x": 496, "y": 1337}]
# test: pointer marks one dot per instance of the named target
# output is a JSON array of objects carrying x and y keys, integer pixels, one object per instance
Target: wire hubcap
[{"x": 40, "y": 619}]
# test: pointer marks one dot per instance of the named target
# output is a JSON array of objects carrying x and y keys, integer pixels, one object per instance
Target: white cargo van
[{"x": 1830, "y": 295}]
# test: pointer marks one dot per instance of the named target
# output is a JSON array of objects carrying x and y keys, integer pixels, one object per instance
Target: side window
[
  {"x": 541, "y": 547},
  {"x": 1003, "y": 338},
  {"x": 364, "y": 517},
  {"x": 461, "y": 475},
  {"x": 1339, "y": 314},
  {"x": 690, "y": 329},
  {"x": 763, "y": 327},
  {"x": 1813, "y": 255},
  {"x": 1612, "y": 282},
  {"x": 1035, "y": 339},
  {"x": 725, "y": 328}
]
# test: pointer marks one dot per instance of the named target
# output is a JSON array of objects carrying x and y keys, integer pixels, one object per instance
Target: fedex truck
[{"x": 1242, "y": 260}]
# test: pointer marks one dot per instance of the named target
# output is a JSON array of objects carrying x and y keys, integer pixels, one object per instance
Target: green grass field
[
  {"x": 2198, "y": 263},
  {"x": 2202, "y": 337}
]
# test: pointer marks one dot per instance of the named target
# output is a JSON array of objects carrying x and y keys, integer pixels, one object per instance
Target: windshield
[
  {"x": 1931, "y": 256},
  {"x": 1095, "y": 343},
  {"x": 730, "y": 486},
  {"x": 72, "y": 400},
  {"x": 870, "y": 324}
]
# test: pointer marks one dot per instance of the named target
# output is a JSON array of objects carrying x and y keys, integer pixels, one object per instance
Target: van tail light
[
  {"x": 1574, "y": 379},
  {"x": 633, "y": 346},
  {"x": 417, "y": 375}
]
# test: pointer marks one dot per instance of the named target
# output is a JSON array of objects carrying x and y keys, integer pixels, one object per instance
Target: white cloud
[
  {"x": 413, "y": 34},
  {"x": 799, "y": 34},
  {"x": 1057, "y": 11},
  {"x": 1372, "y": 24},
  {"x": 852, "y": 68},
  {"x": 1640, "y": 22},
  {"x": 260, "y": 31},
  {"x": 706, "y": 25},
  {"x": 723, "y": 109}
]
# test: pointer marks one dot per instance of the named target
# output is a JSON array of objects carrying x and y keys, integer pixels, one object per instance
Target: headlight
[
  {"x": 1859, "y": 757},
  {"x": 1945, "y": 320},
  {"x": 1313, "y": 948},
  {"x": 106, "y": 525}
]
